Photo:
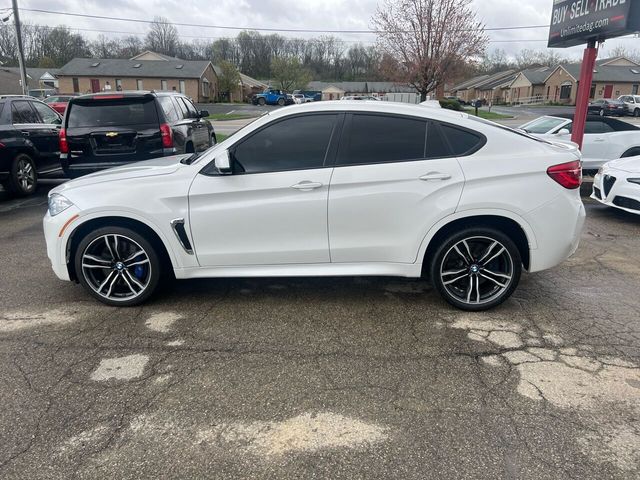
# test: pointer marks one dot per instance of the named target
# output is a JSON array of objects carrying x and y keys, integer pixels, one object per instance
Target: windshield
[{"x": 542, "y": 124}]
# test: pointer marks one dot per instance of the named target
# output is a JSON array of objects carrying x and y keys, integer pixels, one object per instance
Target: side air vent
[{"x": 181, "y": 234}]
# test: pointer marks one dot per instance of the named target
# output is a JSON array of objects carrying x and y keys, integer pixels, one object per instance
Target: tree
[
  {"x": 229, "y": 79},
  {"x": 289, "y": 73},
  {"x": 429, "y": 39},
  {"x": 162, "y": 37}
]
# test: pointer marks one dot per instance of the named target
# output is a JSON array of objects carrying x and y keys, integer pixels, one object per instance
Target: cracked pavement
[{"x": 322, "y": 378}]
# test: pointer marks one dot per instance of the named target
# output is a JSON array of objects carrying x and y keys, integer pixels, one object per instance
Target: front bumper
[
  {"x": 57, "y": 231},
  {"x": 611, "y": 188}
]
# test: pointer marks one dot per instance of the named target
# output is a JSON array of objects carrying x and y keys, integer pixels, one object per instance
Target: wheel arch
[
  {"x": 516, "y": 228},
  {"x": 81, "y": 230},
  {"x": 627, "y": 153}
]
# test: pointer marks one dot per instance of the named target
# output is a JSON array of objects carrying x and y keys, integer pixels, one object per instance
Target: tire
[
  {"x": 632, "y": 152},
  {"x": 23, "y": 176},
  {"x": 107, "y": 273},
  {"x": 636, "y": 112},
  {"x": 214, "y": 140},
  {"x": 601, "y": 112},
  {"x": 262, "y": 102},
  {"x": 188, "y": 148},
  {"x": 469, "y": 282},
  {"x": 281, "y": 102}
]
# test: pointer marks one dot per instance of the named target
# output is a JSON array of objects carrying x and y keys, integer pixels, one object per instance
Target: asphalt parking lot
[{"x": 322, "y": 378}]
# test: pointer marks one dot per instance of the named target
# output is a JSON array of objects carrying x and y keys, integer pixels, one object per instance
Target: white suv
[{"x": 325, "y": 189}]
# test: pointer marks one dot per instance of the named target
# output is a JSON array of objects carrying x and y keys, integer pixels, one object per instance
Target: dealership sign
[{"x": 574, "y": 22}]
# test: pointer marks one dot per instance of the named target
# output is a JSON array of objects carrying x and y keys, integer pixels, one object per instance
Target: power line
[{"x": 228, "y": 27}]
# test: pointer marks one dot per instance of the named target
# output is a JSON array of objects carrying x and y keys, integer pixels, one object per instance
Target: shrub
[{"x": 451, "y": 105}]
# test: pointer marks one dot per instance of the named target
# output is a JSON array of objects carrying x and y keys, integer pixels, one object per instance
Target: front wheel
[
  {"x": 636, "y": 112},
  {"x": 476, "y": 268},
  {"x": 281, "y": 101},
  {"x": 23, "y": 177},
  {"x": 601, "y": 113},
  {"x": 118, "y": 266},
  {"x": 262, "y": 102}
]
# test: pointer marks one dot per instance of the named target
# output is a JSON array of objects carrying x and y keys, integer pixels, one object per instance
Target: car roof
[
  {"x": 127, "y": 94},
  {"x": 372, "y": 107},
  {"x": 618, "y": 125}
]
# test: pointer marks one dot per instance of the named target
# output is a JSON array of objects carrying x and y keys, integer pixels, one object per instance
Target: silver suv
[{"x": 632, "y": 103}]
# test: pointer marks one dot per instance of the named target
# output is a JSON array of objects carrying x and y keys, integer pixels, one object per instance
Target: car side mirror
[
  {"x": 564, "y": 131},
  {"x": 223, "y": 162},
  {"x": 204, "y": 113}
]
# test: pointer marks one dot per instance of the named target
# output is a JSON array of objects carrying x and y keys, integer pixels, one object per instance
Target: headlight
[
  {"x": 634, "y": 180},
  {"x": 58, "y": 204}
]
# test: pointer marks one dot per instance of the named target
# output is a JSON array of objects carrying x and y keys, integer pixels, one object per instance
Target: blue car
[{"x": 272, "y": 97}]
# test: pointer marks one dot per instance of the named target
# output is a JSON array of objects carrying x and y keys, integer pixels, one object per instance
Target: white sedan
[
  {"x": 326, "y": 189},
  {"x": 617, "y": 184},
  {"x": 605, "y": 138}
]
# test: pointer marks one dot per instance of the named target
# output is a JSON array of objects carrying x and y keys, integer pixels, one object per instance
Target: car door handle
[
  {"x": 306, "y": 185},
  {"x": 435, "y": 176},
  {"x": 598, "y": 139}
]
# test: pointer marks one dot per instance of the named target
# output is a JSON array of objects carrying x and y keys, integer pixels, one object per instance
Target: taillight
[
  {"x": 167, "y": 135},
  {"x": 569, "y": 174},
  {"x": 62, "y": 140}
]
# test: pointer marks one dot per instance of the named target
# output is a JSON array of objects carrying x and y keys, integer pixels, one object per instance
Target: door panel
[
  {"x": 608, "y": 91},
  {"x": 260, "y": 219},
  {"x": 381, "y": 213}
]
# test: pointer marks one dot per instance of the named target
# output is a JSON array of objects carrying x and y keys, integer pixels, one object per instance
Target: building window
[
  {"x": 76, "y": 85},
  {"x": 634, "y": 90},
  {"x": 592, "y": 92},
  {"x": 119, "y": 84},
  {"x": 548, "y": 91},
  {"x": 182, "y": 87},
  {"x": 205, "y": 88},
  {"x": 163, "y": 85},
  {"x": 139, "y": 84},
  {"x": 565, "y": 92}
]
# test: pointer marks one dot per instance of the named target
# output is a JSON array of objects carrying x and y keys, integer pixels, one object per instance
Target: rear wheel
[
  {"x": 262, "y": 102},
  {"x": 476, "y": 268},
  {"x": 118, "y": 266},
  {"x": 636, "y": 112},
  {"x": 281, "y": 101},
  {"x": 23, "y": 177},
  {"x": 601, "y": 112}
]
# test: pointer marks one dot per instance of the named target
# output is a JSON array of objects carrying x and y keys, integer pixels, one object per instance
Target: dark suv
[
  {"x": 28, "y": 143},
  {"x": 106, "y": 130}
]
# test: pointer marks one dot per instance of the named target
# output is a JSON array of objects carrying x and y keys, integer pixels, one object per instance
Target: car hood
[
  {"x": 147, "y": 168},
  {"x": 627, "y": 164}
]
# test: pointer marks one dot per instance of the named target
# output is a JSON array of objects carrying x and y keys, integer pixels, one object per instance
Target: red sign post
[{"x": 584, "y": 88}]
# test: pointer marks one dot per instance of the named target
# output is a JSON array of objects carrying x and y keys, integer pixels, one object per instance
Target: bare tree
[
  {"x": 162, "y": 37},
  {"x": 429, "y": 39}
]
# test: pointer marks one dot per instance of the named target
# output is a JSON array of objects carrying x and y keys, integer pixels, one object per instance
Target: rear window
[
  {"x": 462, "y": 142},
  {"x": 102, "y": 113}
]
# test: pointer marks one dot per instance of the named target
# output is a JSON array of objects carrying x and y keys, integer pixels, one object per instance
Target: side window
[
  {"x": 46, "y": 114},
  {"x": 168, "y": 108},
  {"x": 292, "y": 144},
  {"x": 193, "y": 113},
  {"x": 182, "y": 108},
  {"x": 436, "y": 144},
  {"x": 21, "y": 112},
  {"x": 462, "y": 142},
  {"x": 381, "y": 139},
  {"x": 595, "y": 126}
]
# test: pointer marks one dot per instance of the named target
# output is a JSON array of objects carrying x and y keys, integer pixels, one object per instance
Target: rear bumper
[
  {"x": 558, "y": 226},
  {"x": 76, "y": 166}
]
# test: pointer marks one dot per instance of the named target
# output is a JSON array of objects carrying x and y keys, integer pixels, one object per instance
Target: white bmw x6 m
[{"x": 325, "y": 189}]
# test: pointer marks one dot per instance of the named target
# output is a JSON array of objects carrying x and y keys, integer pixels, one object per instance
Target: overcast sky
[{"x": 298, "y": 14}]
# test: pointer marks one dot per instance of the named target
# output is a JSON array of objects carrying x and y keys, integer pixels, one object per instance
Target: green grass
[
  {"x": 230, "y": 116},
  {"x": 487, "y": 115},
  {"x": 220, "y": 137}
]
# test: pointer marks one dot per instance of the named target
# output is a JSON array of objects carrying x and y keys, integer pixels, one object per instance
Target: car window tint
[
  {"x": 436, "y": 144},
  {"x": 594, "y": 126},
  {"x": 292, "y": 144},
  {"x": 46, "y": 113},
  {"x": 21, "y": 112},
  {"x": 192, "y": 112},
  {"x": 117, "y": 112},
  {"x": 169, "y": 109},
  {"x": 382, "y": 138},
  {"x": 462, "y": 142},
  {"x": 184, "y": 112}
]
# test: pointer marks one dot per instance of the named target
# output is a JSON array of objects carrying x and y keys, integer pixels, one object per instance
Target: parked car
[
  {"x": 617, "y": 184},
  {"x": 42, "y": 93},
  {"x": 457, "y": 99},
  {"x": 325, "y": 189},
  {"x": 272, "y": 97},
  {"x": 299, "y": 98},
  {"x": 59, "y": 102},
  {"x": 604, "y": 138},
  {"x": 632, "y": 104},
  {"x": 28, "y": 143},
  {"x": 604, "y": 107},
  {"x": 106, "y": 130},
  {"x": 359, "y": 97}
]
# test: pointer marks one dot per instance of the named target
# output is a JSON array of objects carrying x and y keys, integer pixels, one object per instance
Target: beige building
[
  {"x": 612, "y": 77},
  {"x": 528, "y": 85}
]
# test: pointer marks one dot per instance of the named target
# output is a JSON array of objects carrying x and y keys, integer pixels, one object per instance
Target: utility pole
[{"x": 23, "y": 69}]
